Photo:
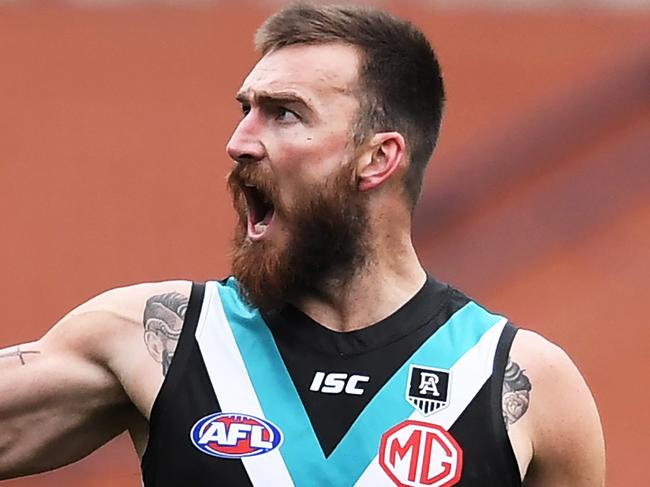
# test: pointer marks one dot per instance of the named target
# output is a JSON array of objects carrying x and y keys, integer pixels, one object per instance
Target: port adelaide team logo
[
  {"x": 235, "y": 435},
  {"x": 428, "y": 388}
]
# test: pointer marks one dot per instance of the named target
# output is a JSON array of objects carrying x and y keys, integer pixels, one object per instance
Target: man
[{"x": 331, "y": 357}]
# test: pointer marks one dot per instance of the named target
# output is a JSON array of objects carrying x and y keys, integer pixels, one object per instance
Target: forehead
[{"x": 308, "y": 70}]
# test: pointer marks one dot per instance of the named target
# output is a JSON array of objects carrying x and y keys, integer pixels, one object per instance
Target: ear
[{"x": 385, "y": 154}]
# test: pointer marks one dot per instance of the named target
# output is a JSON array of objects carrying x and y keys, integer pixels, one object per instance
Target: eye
[
  {"x": 283, "y": 114},
  {"x": 245, "y": 109}
]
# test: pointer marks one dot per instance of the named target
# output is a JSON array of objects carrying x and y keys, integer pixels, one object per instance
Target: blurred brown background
[{"x": 113, "y": 123}]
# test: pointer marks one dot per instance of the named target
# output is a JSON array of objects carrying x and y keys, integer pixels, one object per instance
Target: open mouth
[{"x": 260, "y": 211}]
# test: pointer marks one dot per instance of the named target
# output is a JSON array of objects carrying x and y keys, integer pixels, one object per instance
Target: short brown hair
[{"x": 401, "y": 83}]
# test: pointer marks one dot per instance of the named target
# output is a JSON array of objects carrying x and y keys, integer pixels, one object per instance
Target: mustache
[
  {"x": 239, "y": 180},
  {"x": 243, "y": 175}
]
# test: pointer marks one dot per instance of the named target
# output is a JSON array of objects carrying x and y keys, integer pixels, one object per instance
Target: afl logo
[{"x": 234, "y": 435}]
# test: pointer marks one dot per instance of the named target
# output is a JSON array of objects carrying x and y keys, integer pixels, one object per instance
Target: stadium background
[{"x": 114, "y": 117}]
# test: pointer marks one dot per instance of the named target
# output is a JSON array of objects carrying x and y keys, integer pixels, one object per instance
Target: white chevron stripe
[
  {"x": 232, "y": 385},
  {"x": 468, "y": 376}
]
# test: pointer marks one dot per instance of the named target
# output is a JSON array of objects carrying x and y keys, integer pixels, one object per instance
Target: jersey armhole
[
  {"x": 175, "y": 373},
  {"x": 498, "y": 373}
]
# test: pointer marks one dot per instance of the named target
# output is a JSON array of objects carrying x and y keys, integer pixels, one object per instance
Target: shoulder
[
  {"x": 543, "y": 358},
  {"x": 549, "y": 369},
  {"x": 101, "y": 326},
  {"x": 553, "y": 380},
  {"x": 561, "y": 420},
  {"x": 128, "y": 300},
  {"x": 123, "y": 304},
  {"x": 128, "y": 332}
]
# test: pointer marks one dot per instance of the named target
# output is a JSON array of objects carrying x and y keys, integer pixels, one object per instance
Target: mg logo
[{"x": 418, "y": 454}]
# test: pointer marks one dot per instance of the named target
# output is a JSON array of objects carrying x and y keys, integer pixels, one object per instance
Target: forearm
[
  {"x": 48, "y": 404},
  {"x": 26, "y": 453}
]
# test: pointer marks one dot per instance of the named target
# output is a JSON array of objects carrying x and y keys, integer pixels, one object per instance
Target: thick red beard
[{"x": 327, "y": 228}]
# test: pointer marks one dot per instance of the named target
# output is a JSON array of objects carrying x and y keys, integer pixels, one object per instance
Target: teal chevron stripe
[
  {"x": 275, "y": 390},
  {"x": 389, "y": 406},
  {"x": 281, "y": 403}
]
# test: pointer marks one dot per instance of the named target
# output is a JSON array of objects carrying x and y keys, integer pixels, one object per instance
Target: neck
[{"x": 388, "y": 280}]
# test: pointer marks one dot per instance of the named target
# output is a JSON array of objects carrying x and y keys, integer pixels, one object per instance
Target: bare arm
[
  {"x": 551, "y": 406},
  {"x": 50, "y": 395},
  {"x": 68, "y": 393}
]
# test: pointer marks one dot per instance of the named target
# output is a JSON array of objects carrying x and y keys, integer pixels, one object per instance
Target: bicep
[
  {"x": 93, "y": 375},
  {"x": 563, "y": 422},
  {"x": 50, "y": 396}
]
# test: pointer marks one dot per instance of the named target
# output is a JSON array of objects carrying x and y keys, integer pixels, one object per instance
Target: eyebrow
[{"x": 272, "y": 97}]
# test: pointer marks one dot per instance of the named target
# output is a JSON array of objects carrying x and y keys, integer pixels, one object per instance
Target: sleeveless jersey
[{"x": 279, "y": 400}]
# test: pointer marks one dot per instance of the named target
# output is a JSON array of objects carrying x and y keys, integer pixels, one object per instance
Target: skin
[
  {"x": 310, "y": 142},
  {"x": 94, "y": 375},
  {"x": 97, "y": 372}
]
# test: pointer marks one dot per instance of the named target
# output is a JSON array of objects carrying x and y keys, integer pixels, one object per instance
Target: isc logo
[
  {"x": 418, "y": 454},
  {"x": 337, "y": 382},
  {"x": 233, "y": 435}
]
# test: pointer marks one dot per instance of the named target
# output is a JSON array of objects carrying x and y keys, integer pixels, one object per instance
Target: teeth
[{"x": 260, "y": 227}]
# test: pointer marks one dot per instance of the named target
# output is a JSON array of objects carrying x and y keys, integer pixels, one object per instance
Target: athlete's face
[{"x": 302, "y": 218}]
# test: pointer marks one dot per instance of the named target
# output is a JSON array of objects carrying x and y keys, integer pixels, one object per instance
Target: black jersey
[{"x": 279, "y": 400}]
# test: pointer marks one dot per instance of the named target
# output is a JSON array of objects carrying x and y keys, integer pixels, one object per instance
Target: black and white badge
[{"x": 428, "y": 388}]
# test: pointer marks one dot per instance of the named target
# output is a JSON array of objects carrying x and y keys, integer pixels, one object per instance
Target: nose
[{"x": 245, "y": 144}]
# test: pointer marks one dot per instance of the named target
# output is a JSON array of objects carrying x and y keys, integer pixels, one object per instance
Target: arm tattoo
[
  {"x": 516, "y": 393},
  {"x": 18, "y": 353},
  {"x": 163, "y": 321}
]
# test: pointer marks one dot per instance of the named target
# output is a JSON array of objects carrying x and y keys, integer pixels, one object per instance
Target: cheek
[{"x": 304, "y": 163}]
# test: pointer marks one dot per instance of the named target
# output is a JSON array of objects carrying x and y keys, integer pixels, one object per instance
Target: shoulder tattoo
[
  {"x": 515, "y": 396},
  {"x": 163, "y": 321}
]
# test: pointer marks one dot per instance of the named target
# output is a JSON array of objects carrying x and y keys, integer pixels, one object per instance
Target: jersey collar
[{"x": 292, "y": 324}]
